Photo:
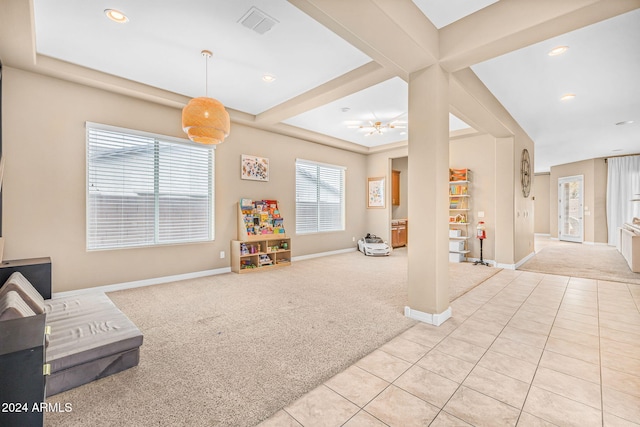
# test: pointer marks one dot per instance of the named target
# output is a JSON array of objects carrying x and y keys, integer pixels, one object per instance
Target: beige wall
[
  {"x": 401, "y": 164},
  {"x": 44, "y": 185},
  {"x": 524, "y": 218},
  {"x": 540, "y": 191},
  {"x": 478, "y": 154},
  {"x": 378, "y": 221},
  {"x": 496, "y": 191},
  {"x": 595, "y": 187}
]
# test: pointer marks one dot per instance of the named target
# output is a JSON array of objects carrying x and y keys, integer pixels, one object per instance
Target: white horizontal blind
[
  {"x": 319, "y": 197},
  {"x": 143, "y": 190}
]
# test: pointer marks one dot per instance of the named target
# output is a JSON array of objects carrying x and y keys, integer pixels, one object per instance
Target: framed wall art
[
  {"x": 254, "y": 168},
  {"x": 375, "y": 192}
]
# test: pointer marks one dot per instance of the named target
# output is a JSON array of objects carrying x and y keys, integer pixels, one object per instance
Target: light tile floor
[{"x": 523, "y": 349}]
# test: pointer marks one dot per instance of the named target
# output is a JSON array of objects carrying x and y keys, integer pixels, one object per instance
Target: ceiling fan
[{"x": 378, "y": 128}]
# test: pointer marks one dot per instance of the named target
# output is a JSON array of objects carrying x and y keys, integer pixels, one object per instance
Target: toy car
[{"x": 373, "y": 245}]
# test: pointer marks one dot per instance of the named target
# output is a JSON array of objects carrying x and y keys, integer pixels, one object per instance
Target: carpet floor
[
  {"x": 230, "y": 350},
  {"x": 600, "y": 262}
]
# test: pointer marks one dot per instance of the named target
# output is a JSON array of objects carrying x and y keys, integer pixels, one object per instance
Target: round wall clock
[{"x": 525, "y": 173}]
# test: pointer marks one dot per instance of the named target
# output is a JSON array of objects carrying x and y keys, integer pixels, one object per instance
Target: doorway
[{"x": 570, "y": 209}]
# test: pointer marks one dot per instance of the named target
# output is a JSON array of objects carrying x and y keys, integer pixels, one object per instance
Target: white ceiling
[
  {"x": 443, "y": 12},
  {"x": 313, "y": 62},
  {"x": 601, "y": 67}
]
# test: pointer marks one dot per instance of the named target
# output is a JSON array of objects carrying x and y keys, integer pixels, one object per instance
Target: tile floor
[{"x": 524, "y": 349}]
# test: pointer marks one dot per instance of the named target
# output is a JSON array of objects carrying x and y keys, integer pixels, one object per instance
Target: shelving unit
[
  {"x": 258, "y": 255},
  {"x": 262, "y": 242},
  {"x": 459, "y": 210}
]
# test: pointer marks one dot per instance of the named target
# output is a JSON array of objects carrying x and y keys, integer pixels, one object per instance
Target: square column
[{"x": 428, "y": 187}]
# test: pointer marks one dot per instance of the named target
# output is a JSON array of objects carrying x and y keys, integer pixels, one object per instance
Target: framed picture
[
  {"x": 375, "y": 192},
  {"x": 254, "y": 168}
]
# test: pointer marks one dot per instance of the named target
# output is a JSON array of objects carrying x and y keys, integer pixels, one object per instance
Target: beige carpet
[
  {"x": 599, "y": 262},
  {"x": 230, "y": 350}
]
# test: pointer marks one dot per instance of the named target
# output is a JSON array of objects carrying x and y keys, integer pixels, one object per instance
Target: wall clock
[{"x": 525, "y": 173}]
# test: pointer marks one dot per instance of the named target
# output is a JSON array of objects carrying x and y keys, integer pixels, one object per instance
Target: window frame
[
  {"x": 343, "y": 198},
  {"x": 158, "y": 139}
]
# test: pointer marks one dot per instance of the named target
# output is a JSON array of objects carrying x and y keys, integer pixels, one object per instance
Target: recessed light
[
  {"x": 116, "y": 16},
  {"x": 626, "y": 122},
  {"x": 345, "y": 109},
  {"x": 269, "y": 78},
  {"x": 559, "y": 50},
  {"x": 567, "y": 96}
]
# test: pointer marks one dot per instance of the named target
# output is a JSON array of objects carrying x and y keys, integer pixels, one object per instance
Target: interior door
[{"x": 570, "y": 209}]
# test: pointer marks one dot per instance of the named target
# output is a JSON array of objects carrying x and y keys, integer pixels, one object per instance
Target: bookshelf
[
  {"x": 262, "y": 242},
  {"x": 459, "y": 210}
]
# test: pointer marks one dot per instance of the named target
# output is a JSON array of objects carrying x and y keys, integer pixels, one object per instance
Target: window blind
[
  {"x": 144, "y": 189},
  {"x": 319, "y": 197}
]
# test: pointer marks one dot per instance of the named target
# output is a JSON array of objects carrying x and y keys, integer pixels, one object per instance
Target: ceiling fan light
[{"x": 205, "y": 121}]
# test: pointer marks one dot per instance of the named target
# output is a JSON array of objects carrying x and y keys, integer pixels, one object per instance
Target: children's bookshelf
[
  {"x": 459, "y": 203},
  {"x": 262, "y": 241}
]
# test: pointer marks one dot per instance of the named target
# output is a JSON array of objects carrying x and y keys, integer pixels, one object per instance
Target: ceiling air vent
[{"x": 257, "y": 20}]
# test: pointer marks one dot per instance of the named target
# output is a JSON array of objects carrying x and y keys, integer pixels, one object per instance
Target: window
[
  {"x": 319, "y": 197},
  {"x": 145, "y": 189}
]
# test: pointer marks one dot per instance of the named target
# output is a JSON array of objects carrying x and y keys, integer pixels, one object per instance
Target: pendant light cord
[
  {"x": 207, "y": 54},
  {"x": 206, "y": 76}
]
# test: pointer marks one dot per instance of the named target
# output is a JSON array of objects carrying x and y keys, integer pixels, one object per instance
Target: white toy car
[{"x": 373, "y": 245}]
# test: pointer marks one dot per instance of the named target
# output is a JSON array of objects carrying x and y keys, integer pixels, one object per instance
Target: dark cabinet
[{"x": 22, "y": 365}]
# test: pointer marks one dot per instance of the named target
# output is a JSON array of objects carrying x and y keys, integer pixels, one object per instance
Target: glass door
[{"x": 570, "y": 209}]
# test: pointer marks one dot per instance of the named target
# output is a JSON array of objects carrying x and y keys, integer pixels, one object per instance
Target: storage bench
[{"x": 90, "y": 339}]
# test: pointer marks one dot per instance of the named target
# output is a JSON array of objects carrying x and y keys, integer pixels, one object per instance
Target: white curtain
[{"x": 623, "y": 185}]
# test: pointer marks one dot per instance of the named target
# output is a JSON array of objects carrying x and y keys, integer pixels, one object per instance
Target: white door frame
[{"x": 580, "y": 215}]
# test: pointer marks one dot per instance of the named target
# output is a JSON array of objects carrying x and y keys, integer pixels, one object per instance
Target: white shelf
[{"x": 460, "y": 208}]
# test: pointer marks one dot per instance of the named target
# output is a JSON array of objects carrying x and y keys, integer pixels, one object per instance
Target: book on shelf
[
  {"x": 260, "y": 217},
  {"x": 457, "y": 190}
]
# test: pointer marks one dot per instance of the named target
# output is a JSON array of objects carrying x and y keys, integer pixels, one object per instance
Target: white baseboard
[
  {"x": 491, "y": 262},
  {"x": 145, "y": 282},
  {"x": 321, "y": 254},
  {"x": 595, "y": 243},
  {"x": 525, "y": 259},
  {"x": 542, "y": 234},
  {"x": 431, "y": 319},
  {"x": 177, "y": 277}
]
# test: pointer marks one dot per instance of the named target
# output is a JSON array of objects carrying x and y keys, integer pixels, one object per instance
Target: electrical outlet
[
  {"x": 353, "y": 239},
  {"x": 221, "y": 254}
]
